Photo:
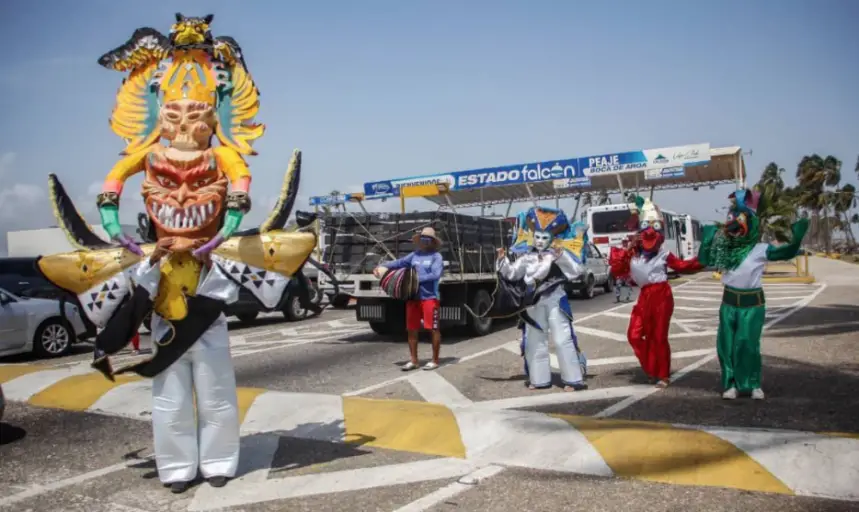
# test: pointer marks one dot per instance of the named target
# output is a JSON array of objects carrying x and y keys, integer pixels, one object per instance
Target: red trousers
[{"x": 648, "y": 329}]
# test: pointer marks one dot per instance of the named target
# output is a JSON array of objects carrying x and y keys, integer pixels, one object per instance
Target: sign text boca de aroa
[
  {"x": 542, "y": 171},
  {"x": 611, "y": 163}
]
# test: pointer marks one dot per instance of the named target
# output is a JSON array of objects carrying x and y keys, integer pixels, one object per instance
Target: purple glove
[
  {"x": 129, "y": 244},
  {"x": 208, "y": 247}
]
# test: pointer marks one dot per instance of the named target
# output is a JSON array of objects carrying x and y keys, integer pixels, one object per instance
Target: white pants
[
  {"x": 548, "y": 315},
  {"x": 209, "y": 442}
]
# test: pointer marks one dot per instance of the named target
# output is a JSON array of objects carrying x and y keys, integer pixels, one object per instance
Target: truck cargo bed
[{"x": 356, "y": 244}]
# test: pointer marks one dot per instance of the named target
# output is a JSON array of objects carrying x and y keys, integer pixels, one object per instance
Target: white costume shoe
[
  {"x": 758, "y": 394},
  {"x": 730, "y": 394}
]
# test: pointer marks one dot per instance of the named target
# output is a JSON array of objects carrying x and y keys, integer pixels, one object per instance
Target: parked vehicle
[
  {"x": 37, "y": 325},
  {"x": 597, "y": 274},
  {"x": 20, "y": 277},
  {"x": 610, "y": 225}
]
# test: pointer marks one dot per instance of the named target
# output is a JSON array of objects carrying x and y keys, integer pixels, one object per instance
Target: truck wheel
[
  {"x": 246, "y": 318},
  {"x": 315, "y": 294},
  {"x": 588, "y": 290},
  {"x": 293, "y": 311},
  {"x": 340, "y": 301},
  {"x": 609, "y": 284},
  {"x": 480, "y": 304},
  {"x": 381, "y": 328}
]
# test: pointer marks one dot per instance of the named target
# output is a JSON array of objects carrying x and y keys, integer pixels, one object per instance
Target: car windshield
[{"x": 613, "y": 221}]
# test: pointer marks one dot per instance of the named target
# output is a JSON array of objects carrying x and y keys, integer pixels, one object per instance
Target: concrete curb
[{"x": 786, "y": 462}]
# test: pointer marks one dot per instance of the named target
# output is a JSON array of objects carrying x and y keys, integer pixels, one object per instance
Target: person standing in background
[
  {"x": 620, "y": 271},
  {"x": 423, "y": 311}
]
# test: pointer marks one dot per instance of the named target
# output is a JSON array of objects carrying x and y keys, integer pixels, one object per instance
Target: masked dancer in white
[{"x": 550, "y": 256}]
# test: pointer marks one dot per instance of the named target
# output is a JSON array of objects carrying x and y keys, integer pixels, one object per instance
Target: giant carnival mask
[
  {"x": 544, "y": 228},
  {"x": 181, "y": 92},
  {"x": 650, "y": 225},
  {"x": 185, "y": 89}
]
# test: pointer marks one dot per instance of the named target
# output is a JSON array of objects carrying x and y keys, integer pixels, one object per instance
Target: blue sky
[{"x": 381, "y": 89}]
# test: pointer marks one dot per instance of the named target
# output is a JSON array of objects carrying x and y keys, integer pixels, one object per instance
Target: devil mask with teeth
[
  {"x": 650, "y": 226},
  {"x": 184, "y": 202}
]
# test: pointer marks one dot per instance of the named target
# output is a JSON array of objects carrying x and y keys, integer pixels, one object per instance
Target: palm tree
[
  {"x": 776, "y": 210},
  {"x": 814, "y": 174},
  {"x": 772, "y": 176},
  {"x": 845, "y": 199},
  {"x": 603, "y": 198}
]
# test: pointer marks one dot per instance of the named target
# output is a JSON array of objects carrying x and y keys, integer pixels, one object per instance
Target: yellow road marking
[
  {"x": 402, "y": 425},
  {"x": 13, "y": 371},
  {"x": 660, "y": 452},
  {"x": 78, "y": 392},
  {"x": 848, "y": 435},
  {"x": 246, "y": 400}
]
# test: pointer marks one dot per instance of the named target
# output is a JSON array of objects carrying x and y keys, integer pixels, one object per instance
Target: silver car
[
  {"x": 35, "y": 325},
  {"x": 597, "y": 274}
]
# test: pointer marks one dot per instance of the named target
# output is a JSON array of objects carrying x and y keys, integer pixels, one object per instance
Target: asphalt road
[{"x": 54, "y": 459}]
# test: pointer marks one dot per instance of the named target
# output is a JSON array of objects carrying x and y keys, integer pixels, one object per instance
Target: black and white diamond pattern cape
[{"x": 266, "y": 286}]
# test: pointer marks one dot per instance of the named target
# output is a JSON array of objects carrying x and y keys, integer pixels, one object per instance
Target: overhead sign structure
[{"x": 565, "y": 174}]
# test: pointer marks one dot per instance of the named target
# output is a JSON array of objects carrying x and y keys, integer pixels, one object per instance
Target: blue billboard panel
[
  {"x": 489, "y": 177},
  {"x": 572, "y": 172}
]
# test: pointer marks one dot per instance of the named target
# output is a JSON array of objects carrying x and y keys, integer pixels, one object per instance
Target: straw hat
[{"x": 430, "y": 232}]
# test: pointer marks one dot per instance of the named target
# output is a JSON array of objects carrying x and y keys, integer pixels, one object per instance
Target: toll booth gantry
[{"x": 691, "y": 166}]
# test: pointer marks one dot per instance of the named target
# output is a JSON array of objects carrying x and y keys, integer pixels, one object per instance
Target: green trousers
[{"x": 738, "y": 342}]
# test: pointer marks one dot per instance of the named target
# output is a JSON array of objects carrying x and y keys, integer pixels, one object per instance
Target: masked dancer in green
[{"x": 735, "y": 251}]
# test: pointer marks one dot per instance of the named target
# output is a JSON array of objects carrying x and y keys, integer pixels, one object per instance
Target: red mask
[{"x": 651, "y": 236}]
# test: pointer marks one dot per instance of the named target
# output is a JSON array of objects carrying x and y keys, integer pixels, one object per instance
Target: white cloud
[{"x": 20, "y": 201}]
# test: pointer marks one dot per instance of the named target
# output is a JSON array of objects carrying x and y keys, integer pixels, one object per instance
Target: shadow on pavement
[
  {"x": 448, "y": 337},
  {"x": 10, "y": 433},
  {"x": 819, "y": 321},
  {"x": 800, "y": 396}
]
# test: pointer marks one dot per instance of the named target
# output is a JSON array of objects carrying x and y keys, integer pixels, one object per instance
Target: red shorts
[{"x": 422, "y": 312}]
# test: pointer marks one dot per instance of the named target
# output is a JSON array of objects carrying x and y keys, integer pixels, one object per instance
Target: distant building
[{"x": 43, "y": 242}]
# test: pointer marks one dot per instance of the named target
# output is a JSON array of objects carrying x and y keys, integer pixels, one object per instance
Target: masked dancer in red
[{"x": 651, "y": 315}]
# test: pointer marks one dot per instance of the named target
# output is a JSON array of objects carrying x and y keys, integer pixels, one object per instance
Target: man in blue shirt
[{"x": 423, "y": 311}]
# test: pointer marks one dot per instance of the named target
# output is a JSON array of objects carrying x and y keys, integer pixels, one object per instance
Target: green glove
[
  {"x": 110, "y": 220},
  {"x": 232, "y": 221},
  {"x": 790, "y": 249},
  {"x": 707, "y": 236}
]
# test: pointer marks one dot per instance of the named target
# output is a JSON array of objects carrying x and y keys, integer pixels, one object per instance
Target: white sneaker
[
  {"x": 757, "y": 394},
  {"x": 730, "y": 394},
  {"x": 430, "y": 366},
  {"x": 409, "y": 366}
]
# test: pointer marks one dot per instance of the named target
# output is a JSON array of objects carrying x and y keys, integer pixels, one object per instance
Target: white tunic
[
  {"x": 535, "y": 266},
  {"x": 749, "y": 274},
  {"x": 649, "y": 271}
]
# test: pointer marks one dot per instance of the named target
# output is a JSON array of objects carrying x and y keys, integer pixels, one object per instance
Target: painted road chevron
[{"x": 470, "y": 435}]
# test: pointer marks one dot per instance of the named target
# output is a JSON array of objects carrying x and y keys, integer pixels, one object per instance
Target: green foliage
[{"x": 777, "y": 207}]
